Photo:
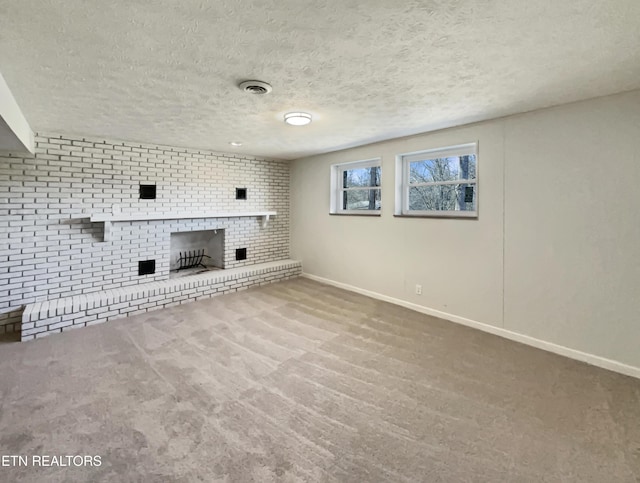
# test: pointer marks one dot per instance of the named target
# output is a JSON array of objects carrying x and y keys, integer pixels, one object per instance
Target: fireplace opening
[{"x": 196, "y": 252}]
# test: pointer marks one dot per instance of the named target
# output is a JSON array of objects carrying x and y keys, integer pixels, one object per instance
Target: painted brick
[
  {"x": 47, "y": 196},
  {"x": 37, "y": 318}
]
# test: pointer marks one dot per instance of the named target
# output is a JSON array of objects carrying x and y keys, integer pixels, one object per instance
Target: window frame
[
  {"x": 336, "y": 195},
  {"x": 403, "y": 162}
]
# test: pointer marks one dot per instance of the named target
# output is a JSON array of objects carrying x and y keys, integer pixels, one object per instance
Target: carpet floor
[{"x": 299, "y": 381}]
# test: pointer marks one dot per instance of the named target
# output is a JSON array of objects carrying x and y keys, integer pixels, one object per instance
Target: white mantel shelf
[{"x": 109, "y": 218}]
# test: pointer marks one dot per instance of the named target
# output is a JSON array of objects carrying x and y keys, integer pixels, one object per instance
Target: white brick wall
[{"x": 48, "y": 250}]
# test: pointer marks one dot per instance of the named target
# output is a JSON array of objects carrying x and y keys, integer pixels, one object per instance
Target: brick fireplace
[{"x": 55, "y": 252}]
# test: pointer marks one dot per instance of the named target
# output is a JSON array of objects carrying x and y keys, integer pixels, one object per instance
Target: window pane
[
  {"x": 443, "y": 169},
  {"x": 361, "y": 177},
  {"x": 450, "y": 197},
  {"x": 361, "y": 199}
]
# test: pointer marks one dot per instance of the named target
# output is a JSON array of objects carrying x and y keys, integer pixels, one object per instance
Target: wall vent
[
  {"x": 147, "y": 192},
  {"x": 146, "y": 267}
]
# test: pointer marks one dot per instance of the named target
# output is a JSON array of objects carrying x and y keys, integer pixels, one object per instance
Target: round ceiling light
[{"x": 297, "y": 118}]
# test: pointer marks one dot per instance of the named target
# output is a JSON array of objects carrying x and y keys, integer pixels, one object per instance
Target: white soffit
[
  {"x": 167, "y": 72},
  {"x": 15, "y": 133}
]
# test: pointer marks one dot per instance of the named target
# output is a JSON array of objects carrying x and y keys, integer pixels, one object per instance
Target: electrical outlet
[{"x": 418, "y": 289}]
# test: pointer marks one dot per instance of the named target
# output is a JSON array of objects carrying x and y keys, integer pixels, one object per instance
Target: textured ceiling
[{"x": 165, "y": 71}]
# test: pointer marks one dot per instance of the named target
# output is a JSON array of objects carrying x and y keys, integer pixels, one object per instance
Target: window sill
[
  {"x": 355, "y": 214},
  {"x": 470, "y": 216}
]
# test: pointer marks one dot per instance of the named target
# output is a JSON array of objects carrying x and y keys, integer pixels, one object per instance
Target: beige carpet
[{"x": 298, "y": 381}]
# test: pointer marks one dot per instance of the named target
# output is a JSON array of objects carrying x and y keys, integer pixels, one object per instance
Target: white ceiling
[{"x": 165, "y": 71}]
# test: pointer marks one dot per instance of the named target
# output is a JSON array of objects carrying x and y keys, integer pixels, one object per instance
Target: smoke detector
[{"x": 255, "y": 87}]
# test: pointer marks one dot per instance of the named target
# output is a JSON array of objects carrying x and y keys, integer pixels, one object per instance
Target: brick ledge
[{"x": 52, "y": 316}]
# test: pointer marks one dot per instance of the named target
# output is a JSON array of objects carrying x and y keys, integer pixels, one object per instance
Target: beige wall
[{"x": 554, "y": 253}]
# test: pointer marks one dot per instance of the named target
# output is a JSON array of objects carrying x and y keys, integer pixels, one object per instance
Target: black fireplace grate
[{"x": 192, "y": 259}]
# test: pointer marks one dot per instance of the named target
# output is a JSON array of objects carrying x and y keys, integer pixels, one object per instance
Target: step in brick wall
[{"x": 41, "y": 319}]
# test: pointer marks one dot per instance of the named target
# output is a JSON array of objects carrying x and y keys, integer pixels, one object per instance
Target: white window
[
  {"x": 438, "y": 182},
  {"x": 355, "y": 188}
]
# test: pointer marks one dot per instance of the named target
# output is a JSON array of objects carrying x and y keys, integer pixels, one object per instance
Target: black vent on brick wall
[
  {"x": 147, "y": 192},
  {"x": 241, "y": 254},
  {"x": 146, "y": 267},
  {"x": 241, "y": 193}
]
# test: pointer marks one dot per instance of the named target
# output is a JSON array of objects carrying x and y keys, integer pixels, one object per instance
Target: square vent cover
[
  {"x": 146, "y": 267},
  {"x": 147, "y": 192}
]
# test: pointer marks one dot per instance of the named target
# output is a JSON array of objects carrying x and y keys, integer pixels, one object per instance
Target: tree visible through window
[
  {"x": 356, "y": 187},
  {"x": 440, "y": 182},
  {"x": 357, "y": 194}
]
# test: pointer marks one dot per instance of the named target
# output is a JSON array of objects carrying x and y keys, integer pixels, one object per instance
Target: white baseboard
[{"x": 507, "y": 334}]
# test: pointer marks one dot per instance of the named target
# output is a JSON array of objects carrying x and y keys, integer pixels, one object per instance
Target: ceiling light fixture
[
  {"x": 236, "y": 144},
  {"x": 297, "y": 118}
]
